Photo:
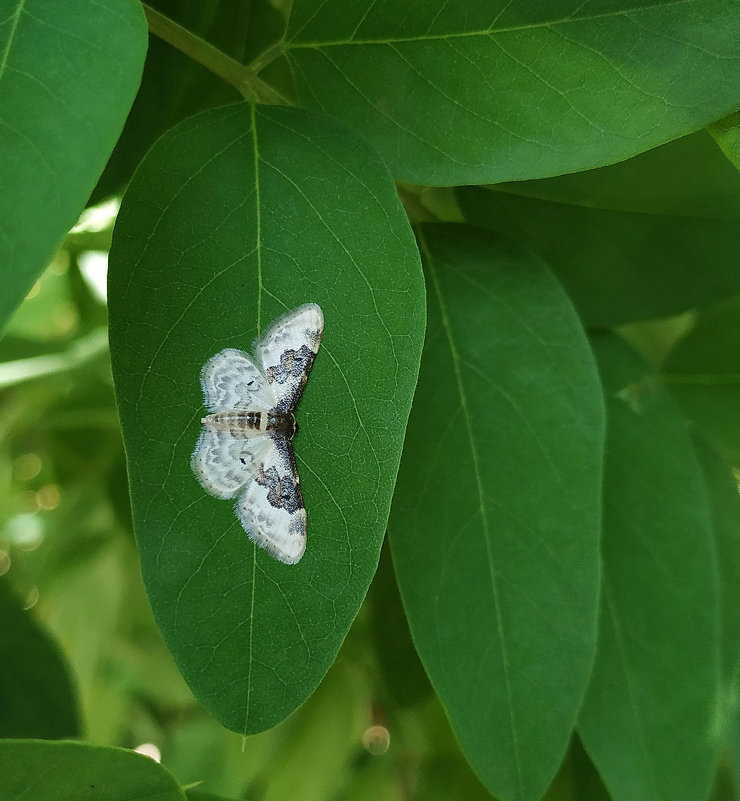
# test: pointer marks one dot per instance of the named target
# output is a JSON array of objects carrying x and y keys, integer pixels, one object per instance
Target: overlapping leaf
[
  {"x": 703, "y": 373},
  {"x": 68, "y": 75},
  {"x": 650, "y": 720},
  {"x": 496, "y": 517},
  {"x": 36, "y": 695},
  {"x": 235, "y": 216},
  {"x": 456, "y": 92},
  {"x": 626, "y": 241}
]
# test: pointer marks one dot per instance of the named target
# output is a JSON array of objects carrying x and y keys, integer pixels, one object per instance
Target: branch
[{"x": 243, "y": 79}]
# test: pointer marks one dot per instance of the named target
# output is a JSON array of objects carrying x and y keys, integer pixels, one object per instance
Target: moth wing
[
  {"x": 271, "y": 507},
  {"x": 286, "y": 352},
  {"x": 223, "y": 464},
  {"x": 231, "y": 380}
]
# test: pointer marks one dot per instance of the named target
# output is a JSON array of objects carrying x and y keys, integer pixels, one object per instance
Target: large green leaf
[
  {"x": 36, "y": 695},
  {"x": 235, "y": 216},
  {"x": 650, "y": 719},
  {"x": 460, "y": 91},
  {"x": 625, "y": 240},
  {"x": 68, "y": 75},
  {"x": 41, "y": 771},
  {"x": 703, "y": 372},
  {"x": 496, "y": 517}
]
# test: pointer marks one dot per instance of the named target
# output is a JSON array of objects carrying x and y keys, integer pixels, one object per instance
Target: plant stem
[{"x": 243, "y": 79}]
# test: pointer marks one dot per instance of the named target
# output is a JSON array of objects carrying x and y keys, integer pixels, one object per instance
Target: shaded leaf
[
  {"x": 235, "y": 216},
  {"x": 37, "y": 698},
  {"x": 649, "y": 722},
  {"x": 40, "y": 771},
  {"x": 403, "y": 674},
  {"x": 724, "y": 504},
  {"x": 626, "y": 240},
  {"x": 68, "y": 75},
  {"x": 703, "y": 373},
  {"x": 496, "y": 516},
  {"x": 468, "y": 92}
]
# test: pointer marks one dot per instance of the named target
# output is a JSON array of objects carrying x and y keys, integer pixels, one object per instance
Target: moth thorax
[{"x": 282, "y": 423}]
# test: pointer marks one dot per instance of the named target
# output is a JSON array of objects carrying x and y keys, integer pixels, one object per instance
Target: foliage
[{"x": 529, "y": 375}]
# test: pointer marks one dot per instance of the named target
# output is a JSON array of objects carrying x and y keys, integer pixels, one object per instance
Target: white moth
[{"x": 244, "y": 450}]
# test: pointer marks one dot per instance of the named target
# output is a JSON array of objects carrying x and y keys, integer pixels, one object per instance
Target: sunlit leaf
[{"x": 235, "y": 216}]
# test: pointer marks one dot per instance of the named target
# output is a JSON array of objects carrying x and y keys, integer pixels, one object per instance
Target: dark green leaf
[
  {"x": 625, "y": 240},
  {"x": 724, "y": 504},
  {"x": 68, "y": 75},
  {"x": 235, "y": 216},
  {"x": 496, "y": 516},
  {"x": 173, "y": 85},
  {"x": 403, "y": 674},
  {"x": 703, "y": 372},
  {"x": 650, "y": 720},
  {"x": 459, "y": 91},
  {"x": 42, "y": 771},
  {"x": 36, "y": 695}
]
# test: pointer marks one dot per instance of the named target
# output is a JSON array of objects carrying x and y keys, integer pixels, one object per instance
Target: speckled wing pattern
[
  {"x": 287, "y": 351},
  {"x": 250, "y": 460}
]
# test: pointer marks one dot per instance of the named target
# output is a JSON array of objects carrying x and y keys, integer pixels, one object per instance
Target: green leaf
[
  {"x": 36, "y": 695},
  {"x": 724, "y": 504},
  {"x": 68, "y": 75},
  {"x": 236, "y": 215},
  {"x": 625, "y": 240},
  {"x": 40, "y": 771},
  {"x": 726, "y": 133},
  {"x": 703, "y": 372},
  {"x": 649, "y": 722},
  {"x": 495, "y": 522},
  {"x": 462, "y": 92}
]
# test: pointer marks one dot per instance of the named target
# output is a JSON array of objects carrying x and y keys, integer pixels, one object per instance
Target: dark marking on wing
[
  {"x": 293, "y": 364},
  {"x": 283, "y": 492}
]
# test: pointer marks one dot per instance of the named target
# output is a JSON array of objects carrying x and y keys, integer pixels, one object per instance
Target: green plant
[{"x": 529, "y": 376}]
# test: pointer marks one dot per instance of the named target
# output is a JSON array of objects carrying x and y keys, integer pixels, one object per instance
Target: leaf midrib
[
  {"x": 492, "y": 30},
  {"x": 11, "y": 36}
]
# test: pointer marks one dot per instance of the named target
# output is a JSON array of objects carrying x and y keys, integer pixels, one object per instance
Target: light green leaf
[
  {"x": 459, "y": 91},
  {"x": 726, "y": 133},
  {"x": 724, "y": 504},
  {"x": 650, "y": 721},
  {"x": 703, "y": 373},
  {"x": 68, "y": 75},
  {"x": 496, "y": 517},
  {"x": 625, "y": 240},
  {"x": 64, "y": 771},
  {"x": 36, "y": 695},
  {"x": 236, "y": 215}
]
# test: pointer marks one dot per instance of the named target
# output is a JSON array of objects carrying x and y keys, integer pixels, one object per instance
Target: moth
[{"x": 244, "y": 450}]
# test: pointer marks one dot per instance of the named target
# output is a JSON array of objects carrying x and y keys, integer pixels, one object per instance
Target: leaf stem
[{"x": 242, "y": 78}]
